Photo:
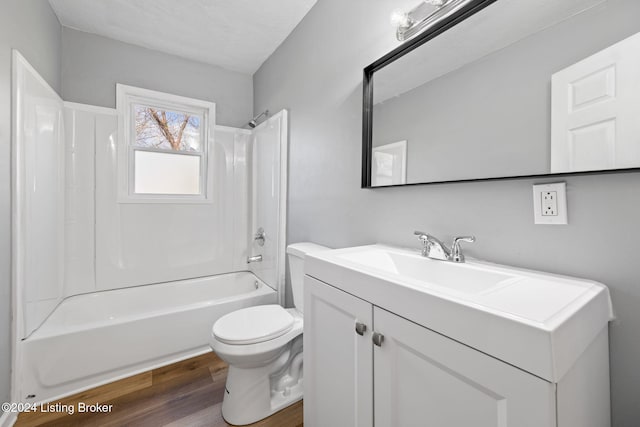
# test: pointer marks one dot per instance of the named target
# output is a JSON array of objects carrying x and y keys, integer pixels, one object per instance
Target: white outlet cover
[{"x": 560, "y": 188}]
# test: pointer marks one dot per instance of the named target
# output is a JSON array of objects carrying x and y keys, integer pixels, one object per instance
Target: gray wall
[
  {"x": 317, "y": 72},
  {"x": 33, "y": 29},
  {"x": 92, "y": 65}
]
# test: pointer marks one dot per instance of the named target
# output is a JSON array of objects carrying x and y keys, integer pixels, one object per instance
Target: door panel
[
  {"x": 423, "y": 378},
  {"x": 338, "y": 361},
  {"x": 595, "y": 111}
]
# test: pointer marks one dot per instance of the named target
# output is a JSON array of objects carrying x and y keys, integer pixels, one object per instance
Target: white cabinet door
[
  {"x": 422, "y": 378},
  {"x": 338, "y": 361},
  {"x": 595, "y": 110}
]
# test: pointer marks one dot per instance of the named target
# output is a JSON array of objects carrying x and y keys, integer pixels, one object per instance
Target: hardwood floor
[{"x": 185, "y": 394}]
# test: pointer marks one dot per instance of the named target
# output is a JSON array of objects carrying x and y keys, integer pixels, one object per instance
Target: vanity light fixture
[{"x": 423, "y": 16}]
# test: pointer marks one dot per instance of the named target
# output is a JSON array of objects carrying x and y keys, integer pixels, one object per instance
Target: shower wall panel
[
  {"x": 268, "y": 190},
  {"x": 38, "y": 217},
  {"x": 144, "y": 243},
  {"x": 84, "y": 126}
]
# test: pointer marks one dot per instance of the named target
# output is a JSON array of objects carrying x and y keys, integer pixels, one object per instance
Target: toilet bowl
[{"x": 263, "y": 347}]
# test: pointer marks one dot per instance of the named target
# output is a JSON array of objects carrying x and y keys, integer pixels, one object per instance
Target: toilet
[{"x": 263, "y": 347}]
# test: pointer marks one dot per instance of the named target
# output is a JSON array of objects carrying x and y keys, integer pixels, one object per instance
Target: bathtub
[{"x": 97, "y": 338}]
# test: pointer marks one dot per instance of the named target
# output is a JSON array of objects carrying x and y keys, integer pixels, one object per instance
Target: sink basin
[
  {"x": 530, "y": 296},
  {"x": 538, "y": 321},
  {"x": 464, "y": 278}
]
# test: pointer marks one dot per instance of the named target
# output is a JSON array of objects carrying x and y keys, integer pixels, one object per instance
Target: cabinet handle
[
  {"x": 360, "y": 328},
  {"x": 377, "y": 338}
]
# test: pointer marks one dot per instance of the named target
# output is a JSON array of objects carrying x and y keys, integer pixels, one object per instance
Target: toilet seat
[{"x": 253, "y": 325}]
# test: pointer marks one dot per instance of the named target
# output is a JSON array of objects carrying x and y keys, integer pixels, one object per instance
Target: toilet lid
[{"x": 253, "y": 325}]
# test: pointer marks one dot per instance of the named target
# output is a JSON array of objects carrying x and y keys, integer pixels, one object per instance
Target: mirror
[{"x": 515, "y": 88}]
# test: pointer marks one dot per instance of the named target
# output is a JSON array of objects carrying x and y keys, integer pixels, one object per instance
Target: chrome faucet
[
  {"x": 435, "y": 249},
  {"x": 255, "y": 258}
]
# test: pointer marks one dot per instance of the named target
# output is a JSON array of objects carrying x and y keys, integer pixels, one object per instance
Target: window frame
[{"x": 129, "y": 96}]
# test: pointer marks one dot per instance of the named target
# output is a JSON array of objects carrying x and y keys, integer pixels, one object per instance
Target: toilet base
[
  {"x": 255, "y": 393},
  {"x": 253, "y": 407}
]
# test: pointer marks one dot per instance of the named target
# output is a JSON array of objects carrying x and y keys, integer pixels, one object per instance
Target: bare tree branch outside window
[{"x": 169, "y": 130}]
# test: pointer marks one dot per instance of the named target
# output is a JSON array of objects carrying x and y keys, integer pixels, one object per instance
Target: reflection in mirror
[
  {"x": 595, "y": 111},
  {"x": 521, "y": 88},
  {"x": 389, "y": 164}
]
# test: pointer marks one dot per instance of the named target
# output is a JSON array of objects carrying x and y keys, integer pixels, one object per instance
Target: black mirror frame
[
  {"x": 468, "y": 10},
  {"x": 471, "y": 8}
]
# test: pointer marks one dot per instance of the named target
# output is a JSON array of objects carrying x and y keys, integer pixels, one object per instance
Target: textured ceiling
[{"x": 237, "y": 35}]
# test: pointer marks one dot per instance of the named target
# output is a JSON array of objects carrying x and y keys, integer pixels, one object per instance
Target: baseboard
[{"x": 8, "y": 419}]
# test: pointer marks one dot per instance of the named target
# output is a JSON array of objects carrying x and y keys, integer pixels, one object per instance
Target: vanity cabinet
[
  {"x": 338, "y": 362},
  {"x": 394, "y": 339},
  {"x": 415, "y": 376}
]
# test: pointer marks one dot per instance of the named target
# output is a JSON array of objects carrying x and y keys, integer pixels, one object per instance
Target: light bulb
[{"x": 400, "y": 18}]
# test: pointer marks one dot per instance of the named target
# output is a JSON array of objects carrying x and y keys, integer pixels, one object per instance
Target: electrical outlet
[{"x": 550, "y": 203}]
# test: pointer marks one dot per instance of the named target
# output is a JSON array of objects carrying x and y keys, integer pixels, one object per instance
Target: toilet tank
[{"x": 296, "y": 253}]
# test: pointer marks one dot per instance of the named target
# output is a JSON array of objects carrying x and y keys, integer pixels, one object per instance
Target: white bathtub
[{"x": 97, "y": 338}]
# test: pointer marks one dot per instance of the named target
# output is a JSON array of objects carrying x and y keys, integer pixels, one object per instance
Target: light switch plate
[{"x": 550, "y": 203}]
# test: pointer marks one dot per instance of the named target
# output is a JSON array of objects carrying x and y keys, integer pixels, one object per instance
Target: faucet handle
[
  {"x": 424, "y": 239},
  {"x": 432, "y": 247},
  {"x": 421, "y": 235},
  {"x": 456, "y": 250}
]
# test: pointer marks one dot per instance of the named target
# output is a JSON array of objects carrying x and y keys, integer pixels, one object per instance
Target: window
[{"x": 165, "y": 145}]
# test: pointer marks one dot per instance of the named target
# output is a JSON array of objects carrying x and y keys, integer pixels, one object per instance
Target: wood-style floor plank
[
  {"x": 184, "y": 394},
  {"x": 102, "y": 393}
]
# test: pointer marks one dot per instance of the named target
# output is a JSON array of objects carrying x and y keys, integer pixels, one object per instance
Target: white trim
[
  {"x": 222, "y": 128},
  {"x": 91, "y": 108},
  {"x": 172, "y": 99},
  {"x": 126, "y": 96},
  {"x": 8, "y": 419}
]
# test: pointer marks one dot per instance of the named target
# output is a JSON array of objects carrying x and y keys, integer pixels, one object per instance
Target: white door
[
  {"x": 595, "y": 106},
  {"x": 389, "y": 164},
  {"x": 422, "y": 378},
  {"x": 268, "y": 200},
  {"x": 338, "y": 360}
]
